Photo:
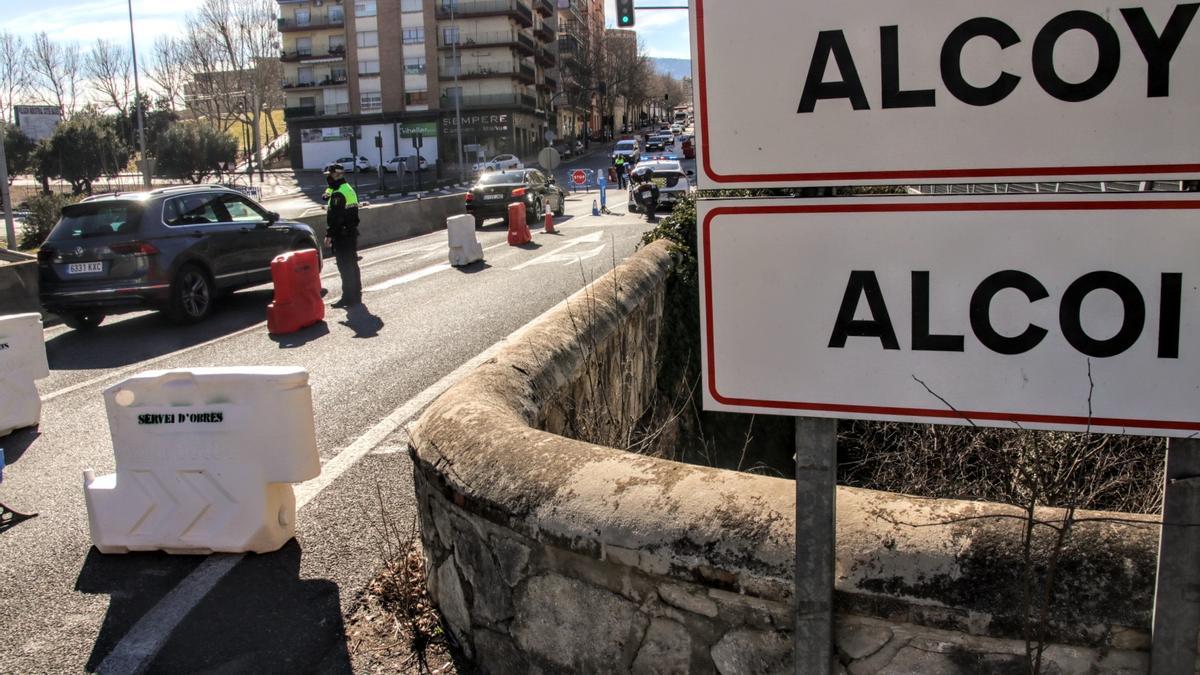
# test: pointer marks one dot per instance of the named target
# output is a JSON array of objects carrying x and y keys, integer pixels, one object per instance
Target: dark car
[
  {"x": 172, "y": 249},
  {"x": 490, "y": 197},
  {"x": 659, "y": 143}
]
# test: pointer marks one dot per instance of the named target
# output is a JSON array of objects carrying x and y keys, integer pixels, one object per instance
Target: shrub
[{"x": 44, "y": 212}]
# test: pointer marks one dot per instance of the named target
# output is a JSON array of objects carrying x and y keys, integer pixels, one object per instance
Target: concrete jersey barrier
[
  {"x": 22, "y": 361},
  {"x": 205, "y": 459}
]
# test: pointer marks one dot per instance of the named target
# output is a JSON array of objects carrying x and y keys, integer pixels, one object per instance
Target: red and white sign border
[
  {"x": 851, "y": 410},
  {"x": 961, "y": 174}
]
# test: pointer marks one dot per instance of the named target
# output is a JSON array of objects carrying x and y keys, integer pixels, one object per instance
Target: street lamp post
[{"x": 137, "y": 101}]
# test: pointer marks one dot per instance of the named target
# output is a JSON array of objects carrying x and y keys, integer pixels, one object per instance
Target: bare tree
[
  {"x": 168, "y": 70},
  {"x": 110, "y": 70},
  {"x": 237, "y": 44},
  {"x": 56, "y": 72},
  {"x": 14, "y": 76}
]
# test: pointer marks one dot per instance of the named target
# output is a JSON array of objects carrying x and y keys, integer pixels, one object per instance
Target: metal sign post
[
  {"x": 1177, "y": 586},
  {"x": 816, "y": 543}
]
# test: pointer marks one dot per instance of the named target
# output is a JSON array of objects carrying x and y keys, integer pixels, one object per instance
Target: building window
[
  {"x": 337, "y": 74},
  {"x": 304, "y": 46},
  {"x": 414, "y": 36},
  {"x": 305, "y": 77},
  {"x": 336, "y": 15},
  {"x": 416, "y": 98},
  {"x": 410, "y": 5},
  {"x": 364, "y": 8},
  {"x": 303, "y": 17},
  {"x": 337, "y": 44},
  {"x": 414, "y": 66},
  {"x": 368, "y": 68},
  {"x": 450, "y": 35},
  {"x": 368, "y": 38},
  {"x": 371, "y": 102}
]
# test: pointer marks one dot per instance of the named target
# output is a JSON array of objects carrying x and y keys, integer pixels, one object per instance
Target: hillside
[{"x": 676, "y": 68}]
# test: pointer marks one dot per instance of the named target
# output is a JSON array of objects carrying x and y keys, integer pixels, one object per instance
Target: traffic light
[{"x": 624, "y": 13}]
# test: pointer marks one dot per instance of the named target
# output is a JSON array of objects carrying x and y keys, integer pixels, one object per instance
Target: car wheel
[
  {"x": 531, "y": 215},
  {"x": 562, "y": 206},
  {"x": 83, "y": 320},
  {"x": 191, "y": 295},
  {"x": 478, "y": 222}
]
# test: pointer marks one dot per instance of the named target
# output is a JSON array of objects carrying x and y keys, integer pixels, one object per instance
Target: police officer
[
  {"x": 645, "y": 193},
  {"x": 341, "y": 233},
  {"x": 620, "y": 162}
]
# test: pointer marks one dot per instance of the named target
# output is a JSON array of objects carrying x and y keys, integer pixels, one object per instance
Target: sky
[{"x": 663, "y": 32}]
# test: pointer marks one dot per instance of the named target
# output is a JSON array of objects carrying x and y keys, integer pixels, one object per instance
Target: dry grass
[{"x": 396, "y": 628}]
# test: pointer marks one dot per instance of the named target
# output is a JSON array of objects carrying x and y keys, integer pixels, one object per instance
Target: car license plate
[
  {"x": 85, "y": 268},
  {"x": 489, "y": 198}
]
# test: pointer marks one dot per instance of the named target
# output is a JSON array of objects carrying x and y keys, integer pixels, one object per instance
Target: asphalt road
[{"x": 67, "y": 608}]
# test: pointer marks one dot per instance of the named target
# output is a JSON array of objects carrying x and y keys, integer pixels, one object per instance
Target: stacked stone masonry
[{"x": 547, "y": 554}]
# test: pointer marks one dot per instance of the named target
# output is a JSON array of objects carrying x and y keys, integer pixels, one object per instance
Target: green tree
[
  {"x": 44, "y": 212},
  {"x": 84, "y": 148},
  {"x": 194, "y": 151},
  {"x": 18, "y": 151}
]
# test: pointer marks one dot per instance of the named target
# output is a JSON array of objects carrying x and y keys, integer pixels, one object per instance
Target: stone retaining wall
[{"x": 548, "y": 553}]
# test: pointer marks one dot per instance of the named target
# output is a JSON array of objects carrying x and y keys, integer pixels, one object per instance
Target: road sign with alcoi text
[
  {"x": 1048, "y": 312},
  {"x": 858, "y": 91}
]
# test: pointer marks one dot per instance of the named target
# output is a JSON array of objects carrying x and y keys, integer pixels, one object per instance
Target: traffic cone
[
  {"x": 549, "y": 220},
  {"x": 595, "y": 208}
]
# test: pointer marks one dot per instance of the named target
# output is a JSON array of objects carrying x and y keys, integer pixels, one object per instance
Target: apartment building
[
  {"x": 359, "y": 70},
  {"x": 581, "y": 29}
]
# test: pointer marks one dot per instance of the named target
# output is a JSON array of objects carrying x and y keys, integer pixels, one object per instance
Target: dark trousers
[
  {"x": 621, "y": 177},
  {"x": 345, "y": 251}
]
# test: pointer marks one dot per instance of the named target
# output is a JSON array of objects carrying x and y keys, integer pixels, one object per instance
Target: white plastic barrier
[
  {"x": 22, "y": 361},
  {"x": 205, "y": 461},
  {"x": 464, "y": 247}
]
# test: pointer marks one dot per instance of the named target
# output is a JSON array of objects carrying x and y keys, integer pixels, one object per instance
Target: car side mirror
[
  {"x": 550, "y": 180},
  {"x": 272, "y": 217},
  {"x": 691, "y": 173}
]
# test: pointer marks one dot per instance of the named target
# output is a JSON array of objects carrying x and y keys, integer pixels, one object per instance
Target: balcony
[
  {"x": 315, "y": 84},
  {"x": 544, "y": 31},
  {"x": 475, "y": 9},
  {"x": 314, "y": 22},
  {"x": 544, "y": 7},
  {"x": 307, "y": 55},
  {"x": 298, "y": 112},
  {"x": 548, "y": 83},
  {"x": 512, "y": 39},
  {"x": 483, "y": 71},
  {"x": 545, "y": 58},
  {"x": 491, "y": 101}
]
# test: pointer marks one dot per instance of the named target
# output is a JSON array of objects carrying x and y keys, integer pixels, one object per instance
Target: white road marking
[
  {"x": 568, "y": 257},
  {"x": 143, "y": 365},
  {"x": 137, "y": 649},
  {"x": 411, "y": 276}
]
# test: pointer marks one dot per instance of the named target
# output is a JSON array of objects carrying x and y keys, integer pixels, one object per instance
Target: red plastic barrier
[
  {"x": 518, "y": 229},
  {"x": 297, "y": 303}
]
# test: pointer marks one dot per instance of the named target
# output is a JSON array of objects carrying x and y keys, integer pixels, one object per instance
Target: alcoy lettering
[{"x": 1157, "y": 47}]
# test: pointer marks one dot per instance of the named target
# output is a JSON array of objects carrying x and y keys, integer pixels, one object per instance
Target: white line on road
[
  {"x": 137, "y": 649},
  {"x": 159, "y": 359}
]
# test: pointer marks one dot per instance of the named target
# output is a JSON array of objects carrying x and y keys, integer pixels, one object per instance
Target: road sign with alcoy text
[
  {"x": 1048, "y": 312},
  {"x": 857, "y": 91}
]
